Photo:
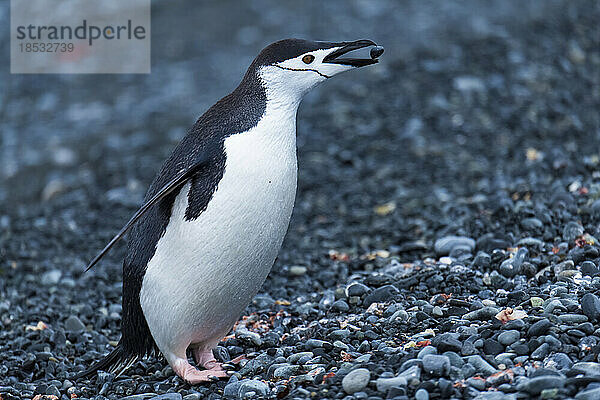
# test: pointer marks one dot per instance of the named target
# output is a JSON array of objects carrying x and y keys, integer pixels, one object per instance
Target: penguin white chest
[{"x": 205, "y": 271}]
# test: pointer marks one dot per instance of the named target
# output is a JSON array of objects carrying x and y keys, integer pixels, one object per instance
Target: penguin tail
[{"x": 115, "y": 362}]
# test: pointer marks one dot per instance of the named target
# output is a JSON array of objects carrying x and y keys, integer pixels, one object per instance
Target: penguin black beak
[{"x": 346, "y": 47}]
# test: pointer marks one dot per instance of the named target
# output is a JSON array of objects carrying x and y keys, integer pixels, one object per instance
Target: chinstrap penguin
[{"x": 214, "y": 218}]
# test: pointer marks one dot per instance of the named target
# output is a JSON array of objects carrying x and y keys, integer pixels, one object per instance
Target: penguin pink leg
[
  {"x": 206, "y": 359},
  {"x": 192, "y": 375}
]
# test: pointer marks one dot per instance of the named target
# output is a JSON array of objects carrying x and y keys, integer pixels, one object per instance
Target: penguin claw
[
  {"x": 207, "y": 375},
  {"x": 194, "y": 376}
]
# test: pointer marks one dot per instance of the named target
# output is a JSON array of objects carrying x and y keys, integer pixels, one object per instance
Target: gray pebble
[
  {"x": 436, "y": 365},
  {"x": 356, "y": 289},
  {"x": 481, "y": 365},
  {"x": 51, "y": 277},
  {"x": 509, "y": 337},
  {"x": 535, "y": 385},
  {"x": 587, "y": 368},
  {"x": 297, "y": 270},
  {"x": 356, "y": 380},
  {"x": 168, "y": 396},
  {"x": 421, "y": 394},
  {"x": 590, "y": 306},
  {"x": 541, "y": 352},
  {"x": 74, "y": 324},
  {"x": 539, "y": 328},
  {"x": 384, "y": 384},
  {"x": 482, "y": 314},
  {"x": 444, "y": 245},
  {"x": 590, "y": 394},
  {"x": 248, "y": 386}
]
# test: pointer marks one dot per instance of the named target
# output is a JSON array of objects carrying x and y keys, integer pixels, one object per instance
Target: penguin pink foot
[
  {"x": 206, "y": 359},
  {"x": 193, "y": 376}
]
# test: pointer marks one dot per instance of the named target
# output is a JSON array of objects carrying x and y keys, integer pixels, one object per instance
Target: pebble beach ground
[{"x": 444, "y": 242}]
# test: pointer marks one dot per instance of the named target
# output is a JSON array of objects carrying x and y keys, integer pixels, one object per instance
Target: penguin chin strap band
[{"x": 303, "y": 69}]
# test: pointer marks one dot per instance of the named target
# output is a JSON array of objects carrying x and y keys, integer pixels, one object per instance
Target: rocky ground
[{"x": 444, "y": 242}]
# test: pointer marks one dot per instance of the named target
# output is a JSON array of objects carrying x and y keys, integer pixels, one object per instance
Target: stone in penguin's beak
[{"x": 346, "y": 47}]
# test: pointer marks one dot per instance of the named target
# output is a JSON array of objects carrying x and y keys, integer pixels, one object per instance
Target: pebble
[
  {"x": 588, "y": 268},
  {"x": 421, "y": 394},
  {"x": 444, "y": 245},
  {"x": 255, "y": 386},
  {"x": 447, "y": 342},
  {"x": 356, "y": 380},
  {"x": 509, "y": 337},
  {"x": 436, "y": 365},
  {"x": 168, "y": 396},
  {"x": 384, "y": 384},
  {"x": 297, "y": 270},
  {"x": 590, "y": 306},
  {"x": 532, "y": 224},
  {"x": 539, "y": 383},
  {"x": 251, "y": 337},
  {"x": 380, "y": 295},
  {"x": 340, "y": 305},
  {"x": 539, "y": 328},
  {"x": 356, "y": 289},
  {"x": 572, "y": 318},
  {"x": 587, "y": 368},
  {"x": 482, "y": 314},
  {"x": 74, "y": 324},
  {"x": 51, "y": 277},
  {"x": 412, "y": 374},
  {"x": 425, "y": 351},
  {"x": 571, "y": 231},
  {"x": 541, "y": 352},
  {"x": 481, "y": 365},
  {"x": 589, "y": 394}
]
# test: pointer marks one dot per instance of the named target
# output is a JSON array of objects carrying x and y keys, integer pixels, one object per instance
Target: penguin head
[{"x": 291, "y": 67}]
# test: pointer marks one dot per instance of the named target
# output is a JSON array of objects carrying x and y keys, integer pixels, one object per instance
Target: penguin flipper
[{"x": 174, "y": 184}]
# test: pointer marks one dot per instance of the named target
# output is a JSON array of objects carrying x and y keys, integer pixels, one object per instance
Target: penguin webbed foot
[
  {"x": 193, "y": 376},
  {"x": 206, "y": 359}
]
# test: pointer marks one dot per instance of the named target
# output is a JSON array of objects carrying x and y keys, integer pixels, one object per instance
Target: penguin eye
[{"x": 308, "y": 58}]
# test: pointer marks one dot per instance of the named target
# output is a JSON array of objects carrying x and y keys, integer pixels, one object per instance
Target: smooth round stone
[
  {"x": 590, "y": 394},
  {"x": 384, "y": 384},
  {"x": 444, "y": 245},
  {"x": 572, "y": 318},
  {"x": 509, "y": 337},
  {"x": 425, "y": 351},
  {"x": 481, "y": 365},
  {"x": 539, "y": 383},
  {"x": 539, "y": 328},
  {"x": 340, "y": 305},
  {"x": 436, "y": 365},
  {"x": 297, "y": 270},
  {"x": 588, "y": 268},
  {"x": 590, "y": 306},
  {"x": 559, "y": 361},
  {"x": 248, "y": 386},
  {"x": 541, "y": 352},
  {"x": 572, "y": 230},
  {"x": 421, "y": 394},
  {"x": 168, "y": 396},
  {"x": 356, "y": 380},
  {"x": 74, "y": 324},
  {"x": 356, "y": 289},
  {"x": 587, "y": 368}
]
